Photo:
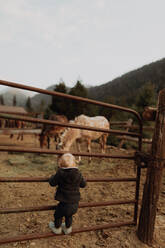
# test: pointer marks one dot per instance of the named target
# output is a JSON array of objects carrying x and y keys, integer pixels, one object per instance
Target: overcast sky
[{"x": 44, "y": 41}]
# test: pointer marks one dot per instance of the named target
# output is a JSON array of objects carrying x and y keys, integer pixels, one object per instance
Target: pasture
[{"x": 36, "y": 194}]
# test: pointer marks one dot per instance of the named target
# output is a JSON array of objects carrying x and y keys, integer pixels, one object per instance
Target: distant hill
[
  {"x": 47, "y": 99},
  {"x": 21, "y": 97},
  {"x": 125, "y": 87},
  {"x": 38, "y": 98},
  {"x": 128, "y": 85}
]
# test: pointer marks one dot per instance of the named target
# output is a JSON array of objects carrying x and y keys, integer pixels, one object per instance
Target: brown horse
[
  {"x": 17, "y": 124},
  {"x": 52, "y": 130},
  {"x": 20, "y": 124}
]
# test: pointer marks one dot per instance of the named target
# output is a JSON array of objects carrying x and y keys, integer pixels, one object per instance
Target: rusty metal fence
[{"x": 57, "y": 152}]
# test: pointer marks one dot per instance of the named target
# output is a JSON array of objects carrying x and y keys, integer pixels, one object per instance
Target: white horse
[{"x": 71, "y": 135}]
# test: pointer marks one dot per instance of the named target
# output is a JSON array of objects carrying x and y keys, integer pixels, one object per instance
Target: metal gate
[{"x": 47, "y": 151}]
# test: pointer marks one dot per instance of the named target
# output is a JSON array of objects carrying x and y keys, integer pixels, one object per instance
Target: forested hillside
[
  {"x": 125, "y": 89},
  {"x": 135, "y": 89}
]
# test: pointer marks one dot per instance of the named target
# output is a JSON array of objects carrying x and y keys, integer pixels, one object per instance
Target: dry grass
[{"x": 33, "y": 194}]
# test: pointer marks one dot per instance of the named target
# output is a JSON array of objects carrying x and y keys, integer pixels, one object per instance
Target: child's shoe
[
  {"x": 54, "y": 229},
  {"x": 65, "y": 229}
]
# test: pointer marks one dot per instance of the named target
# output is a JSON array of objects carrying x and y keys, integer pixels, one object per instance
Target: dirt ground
[{"x": 15, "y": 195}]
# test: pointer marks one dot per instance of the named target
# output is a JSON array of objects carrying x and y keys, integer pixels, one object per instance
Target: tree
[
  {"x": 1, "y": 100},
  {"x": 77, "y": 107},
  {"x": 14, "y": 100},
  {"x": 105, "y": 111},
  {"x": 59, "y": 104},
  {"x": 146, "y": 97}
]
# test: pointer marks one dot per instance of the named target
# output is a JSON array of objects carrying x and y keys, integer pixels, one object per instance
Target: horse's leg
[
  {"x": 56, "y": 140},
  {"x": 48, "y": 142},
  {"x": 40, "y": 140},
  {"x": 22, "y": 136},
  {"x": 79, "y": 150},
  {"x": 103, "y": 141},
  {"x": 89, "y": 149}
]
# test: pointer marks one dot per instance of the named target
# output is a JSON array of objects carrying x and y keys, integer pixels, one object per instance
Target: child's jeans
[{"x": 66, "y": 210}]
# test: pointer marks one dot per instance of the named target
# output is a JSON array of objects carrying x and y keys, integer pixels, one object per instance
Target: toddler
[{"x": 68, "y": 180}]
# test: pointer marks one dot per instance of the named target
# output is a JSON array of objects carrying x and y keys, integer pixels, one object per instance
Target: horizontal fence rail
[
  {"x": 147, "y": 141},
  {"x": 52, "y": 207},
  {"x": 74, "y": 231},
  {"x": 15, "y": 113},
  {"x": 7, "y": 131},
  {"x": 49, "y": 122},
  {"x": 58, "y": 152},
  {"x": 46, "y": 179},
  {"x": 132, "y": 127}
]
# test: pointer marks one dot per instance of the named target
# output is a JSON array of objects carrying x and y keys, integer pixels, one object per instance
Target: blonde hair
[{"x": 67, "y": 160}]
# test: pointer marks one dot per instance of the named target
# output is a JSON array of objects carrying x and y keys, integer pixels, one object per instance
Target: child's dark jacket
[{"x": 68, "y": 181}]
